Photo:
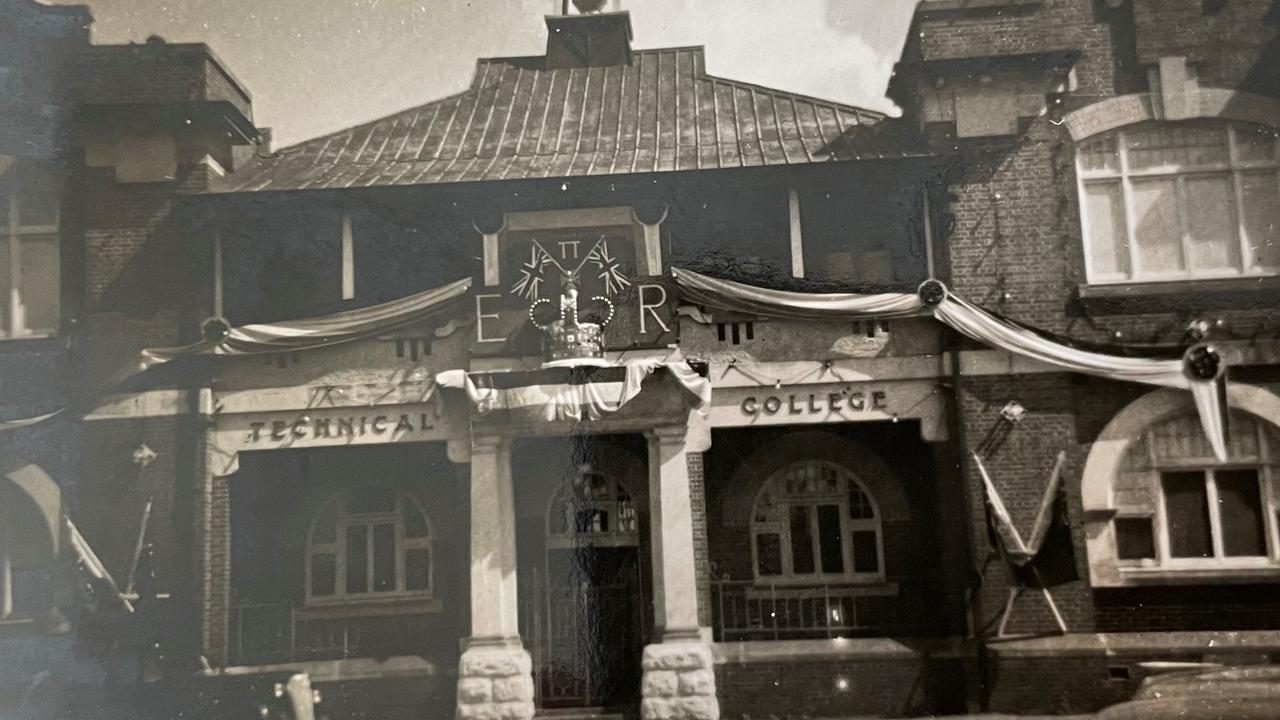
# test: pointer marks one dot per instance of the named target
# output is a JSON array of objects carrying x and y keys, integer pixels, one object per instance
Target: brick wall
[
  {"x": 215, "y": 582},
  {"x": 1014, "y": 245},
  {"x": 1053, "y": 682},
  {"x": 154, "y": 73},
  {"x": 1229, "y": 607},
  {"x": 1065, "y": 413},
  {"x": 1020, "y": 468},
  {"x": 1041, "y": 27},
  {"x": 701, "y": 554},
  {"x": 904, "y": 483},
  {"x": 1196, "y": 30},
  {"x": 891, "y": 686}
]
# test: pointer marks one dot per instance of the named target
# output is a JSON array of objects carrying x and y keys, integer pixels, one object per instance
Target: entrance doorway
[{"x": 586, "y": 596}]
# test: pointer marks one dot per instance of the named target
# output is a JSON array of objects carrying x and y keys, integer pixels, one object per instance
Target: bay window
[
  {"x": 29, "y": 255},
  {"x": 1180, "y": 201}
]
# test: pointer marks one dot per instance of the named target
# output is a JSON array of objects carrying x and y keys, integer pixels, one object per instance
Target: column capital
[
  {"x": 668, "y": 434},
  {"x": 486, "y": 443},
  {"x": 461, "y": 449}
]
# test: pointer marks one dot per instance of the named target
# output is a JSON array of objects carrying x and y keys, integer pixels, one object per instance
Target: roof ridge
[{"x": 634, "y": 51}]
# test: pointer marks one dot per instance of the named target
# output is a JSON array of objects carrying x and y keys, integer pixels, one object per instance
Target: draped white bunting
[
  {"x": 739, "y": 297},
  {"x": 576, "y": 401},
  {"x": 316, "y": 332},
  {"x": 973, "y": 322},
  {"x": 14, "y": 424}
]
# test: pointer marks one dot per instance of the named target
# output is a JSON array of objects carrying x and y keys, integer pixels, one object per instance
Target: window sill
[
  {"x": 1239, "y": 293},
  {"x": 364, "y": 607},
  {"x": 33, "y": 343},
  {"x": 793, "y": 589},
  {"x": 1207, "y": 575}
]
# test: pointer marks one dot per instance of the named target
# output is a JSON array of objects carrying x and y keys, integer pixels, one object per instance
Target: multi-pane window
[
  {"x": 1176, "y": 201},
  {"x": 368, "y": 543},
  {"x": 1179, "y": 507},
  {"x": 29, "y": 287},
  {"x": 814, "y": 522},
  {"x": 592, "y": 510}
]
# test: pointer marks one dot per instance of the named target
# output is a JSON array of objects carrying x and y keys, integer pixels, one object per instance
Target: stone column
[
  {"x": 494, "y": 673},
  {"x": 679, "y": 674}
]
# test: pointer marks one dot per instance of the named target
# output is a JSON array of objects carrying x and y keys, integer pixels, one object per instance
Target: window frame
[
  {"x": 13, "y": 236},
  {"x": 562, "y": 501},
  {"x": 848, "y": 526},
  {"x": 342, "y": 519},
  {"x": 1269, "y": 497},
  {"x": 1234, "y": 170}
]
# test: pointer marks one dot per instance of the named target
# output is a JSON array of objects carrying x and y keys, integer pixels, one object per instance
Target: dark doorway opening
[{"x": 584, "y": 587}]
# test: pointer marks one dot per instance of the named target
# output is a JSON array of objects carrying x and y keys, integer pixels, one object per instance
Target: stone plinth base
[
  {"x": 679, "y": 682},
  {"x": 495, "y": 683}
]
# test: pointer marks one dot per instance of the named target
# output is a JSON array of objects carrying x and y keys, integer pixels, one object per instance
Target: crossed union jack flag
[{"x": 529, "y": 284}]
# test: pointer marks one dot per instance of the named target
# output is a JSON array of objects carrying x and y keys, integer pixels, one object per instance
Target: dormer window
[
  {"x": 1180, "y": 201},
  {"x": 29, "y": 255}
]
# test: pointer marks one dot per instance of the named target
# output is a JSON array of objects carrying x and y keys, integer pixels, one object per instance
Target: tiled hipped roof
[{"x": 520, "y": 120}]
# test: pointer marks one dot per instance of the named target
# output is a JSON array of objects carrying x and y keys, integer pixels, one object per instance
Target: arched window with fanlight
[
  {"x": 592, "y": 509},
  {"x": 1191, "y": 200},
  {"x": 1179, "y": 509},
  {"x": 813, "y": 521},
  {"x": 367, "y": 543}
]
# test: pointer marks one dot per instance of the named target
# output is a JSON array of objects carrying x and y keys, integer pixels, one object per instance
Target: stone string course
[{"x": 679, "y": 683}]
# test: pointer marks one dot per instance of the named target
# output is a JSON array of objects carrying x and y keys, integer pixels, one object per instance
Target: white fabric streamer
[
  {"x": 576, "y": 401},
  {"x": 974, "y": 322},
  {"x": 739, "y": 297},
  {"x": 316, "y": 332}
]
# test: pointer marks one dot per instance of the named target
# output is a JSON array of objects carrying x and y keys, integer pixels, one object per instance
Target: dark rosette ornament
[
  {"x": 215, "y": 329},
  {"x": 1203, "y": 363},
  {"x": 932, "y": 292}
]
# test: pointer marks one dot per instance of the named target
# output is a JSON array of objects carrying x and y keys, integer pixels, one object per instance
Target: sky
[{"x": 317, "y": 66}]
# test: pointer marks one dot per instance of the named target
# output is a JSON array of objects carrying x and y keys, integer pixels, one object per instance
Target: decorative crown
[{"x": 569, "y": 341}]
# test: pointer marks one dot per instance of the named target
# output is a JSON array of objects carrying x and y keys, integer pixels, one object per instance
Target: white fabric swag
[
  {"x": 316, "y": 332},
  {"x": 576, "y": 401},
  {"x": 969, "y": 320}
]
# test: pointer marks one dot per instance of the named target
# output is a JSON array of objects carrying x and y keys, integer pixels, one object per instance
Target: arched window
[
  {"x": 814, "y": 522},
  {"x": 593, "y": 510},
  {"x": 1177, "y": 201},
  {"x": 1179, "y": 508},
  {"x": 367, "y": 543}
]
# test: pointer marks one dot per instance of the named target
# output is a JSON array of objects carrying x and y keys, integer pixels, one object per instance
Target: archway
[{"x": 30, "y": 527}]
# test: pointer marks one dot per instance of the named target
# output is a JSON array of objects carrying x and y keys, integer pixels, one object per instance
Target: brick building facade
[{"x": 811, "y": 537}]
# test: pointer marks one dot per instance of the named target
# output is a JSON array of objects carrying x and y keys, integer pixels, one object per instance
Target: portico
[{"x": 586, "y": 484}]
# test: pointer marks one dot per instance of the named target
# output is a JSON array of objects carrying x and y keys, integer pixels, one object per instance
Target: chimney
[{"x": 589, "y": 39}]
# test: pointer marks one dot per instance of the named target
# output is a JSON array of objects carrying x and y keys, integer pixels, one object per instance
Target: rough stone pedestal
[
  {"x": 679, "y": 682},
  {"x": 495, "y": 682}
]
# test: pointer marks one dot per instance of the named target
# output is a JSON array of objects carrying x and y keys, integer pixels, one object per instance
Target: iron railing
[
  {"x": 748, "y": 610},
  {"x": 278, "y": 633}
]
